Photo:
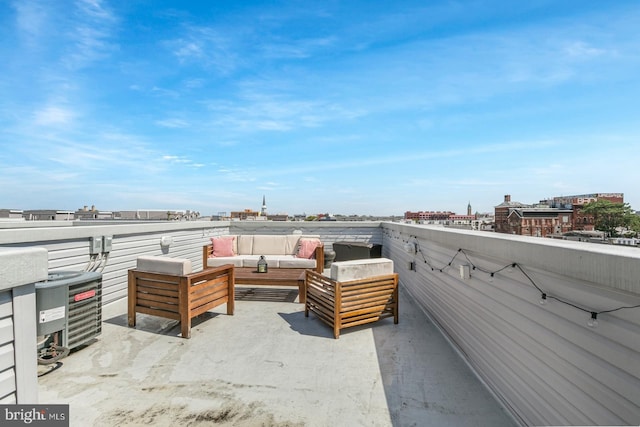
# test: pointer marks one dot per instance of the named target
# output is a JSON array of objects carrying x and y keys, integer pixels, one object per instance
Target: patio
[{"x": 269, "y": 365}]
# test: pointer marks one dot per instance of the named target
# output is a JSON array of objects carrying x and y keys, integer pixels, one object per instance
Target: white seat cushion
[
  {"x": 361, "y": 269},
  {"x": 236, "y": 261},
  {"x": 294, "y": 262}
]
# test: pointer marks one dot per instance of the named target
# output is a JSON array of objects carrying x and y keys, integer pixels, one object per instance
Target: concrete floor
[{"x": 268, "y": 365}]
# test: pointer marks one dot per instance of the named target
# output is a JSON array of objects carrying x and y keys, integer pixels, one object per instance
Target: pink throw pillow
[
  {"x": 307, "y": 248},
  {"x": 223, "y": 246}
]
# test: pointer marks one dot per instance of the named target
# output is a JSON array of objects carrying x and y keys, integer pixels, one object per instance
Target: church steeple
[
  {"x": 263, "y": 211},
  {"x": 469, "y": 208}
]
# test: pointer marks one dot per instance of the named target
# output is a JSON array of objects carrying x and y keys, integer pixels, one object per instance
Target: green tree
[
  {"x": 608, "y": 216},
  {"x": 634, "y": 224}
]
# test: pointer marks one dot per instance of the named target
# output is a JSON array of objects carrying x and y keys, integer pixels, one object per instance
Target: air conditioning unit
[{"x": 69, "y": 312}]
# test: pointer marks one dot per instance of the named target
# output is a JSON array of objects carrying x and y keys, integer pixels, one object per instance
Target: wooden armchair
[
  {"x": 165, "y": 287},
  {"x": 357, "y": 292}
]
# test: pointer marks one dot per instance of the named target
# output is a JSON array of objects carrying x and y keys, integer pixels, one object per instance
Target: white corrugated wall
[{"x": 542, "y": 361}]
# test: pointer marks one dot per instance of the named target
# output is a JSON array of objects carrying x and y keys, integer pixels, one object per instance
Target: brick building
[
  {"x": 557, "y": 216},
  {"x": 580, "y": 221},
  {"x": 442, "y": 217},
  {"x": 428, "y": 216}
]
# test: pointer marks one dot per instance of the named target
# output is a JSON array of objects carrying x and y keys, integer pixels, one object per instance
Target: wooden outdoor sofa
[
  {"x": 290, "y": 251},
  {"x": 356, "y": 293},
  {"x": 287, "y": 256},
  {"x": 165, "y": 287}
]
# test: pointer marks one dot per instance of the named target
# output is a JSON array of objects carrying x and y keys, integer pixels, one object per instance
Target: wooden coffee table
[{"x": 273, "y": 277}]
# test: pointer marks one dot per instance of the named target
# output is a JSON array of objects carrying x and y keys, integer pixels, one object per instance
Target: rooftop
[
  {"x": 494, "y": 330},
  {"x": 269, "y": 365}
]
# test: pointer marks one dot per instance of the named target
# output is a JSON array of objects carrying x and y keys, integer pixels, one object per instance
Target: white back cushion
[
  {"x": 164, "y": 265},
  {"x": 269, "y": 245},
  {"x": 245, "y": 244}
]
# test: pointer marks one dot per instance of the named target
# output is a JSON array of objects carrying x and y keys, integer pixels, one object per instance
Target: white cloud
[
  {"x": 207, "y": 47},
  {"x": 187, "y": 50},
  {"x": 582, "y": 50},
  {"x": 173, "y": 123},
  {"x": 31, "y": 18},
  {"x": 53, "y": 115},
  {"x": 91, "y": 34}
]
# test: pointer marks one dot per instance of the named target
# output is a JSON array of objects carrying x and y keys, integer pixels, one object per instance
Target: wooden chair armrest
[
  {"x": 208, "y": 273},
  {"x": 207, "y": 252},
  {"x": 319, "y": 256}
]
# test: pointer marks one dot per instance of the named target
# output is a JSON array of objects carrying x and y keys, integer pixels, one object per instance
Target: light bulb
[
  {"x": 543, "y": 299},
  {"x": 593, "y": 321}
]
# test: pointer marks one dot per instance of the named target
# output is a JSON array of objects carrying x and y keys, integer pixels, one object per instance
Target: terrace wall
[
  {"x": 68, "y": 244},
  {"x": 542, "y": 361}
]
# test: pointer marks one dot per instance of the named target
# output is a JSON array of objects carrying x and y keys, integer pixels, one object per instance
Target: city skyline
[{"x": 354, "y": 108}]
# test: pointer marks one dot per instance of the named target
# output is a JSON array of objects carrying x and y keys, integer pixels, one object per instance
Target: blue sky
[{"x": 350, "y": 107}]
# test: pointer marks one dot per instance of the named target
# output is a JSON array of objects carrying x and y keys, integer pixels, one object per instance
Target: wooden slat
[
  {"x": 160, "y": 313},
  {"x": 159, "y": 291},
  {"x": 198, "y": 310},
  {"x": 203, "y": 299},
  {"x": 380, "y": 295},
  {"x": 323, "y": 308},
  {"x": 206, "y": 288},
  {"x": 143, "y": 296},
  {"x": 363, "y": 321},
  {"x": 157, "y": 284},
  {"x": 165, "y": 305},
  {"x": 364, "y": 311}
]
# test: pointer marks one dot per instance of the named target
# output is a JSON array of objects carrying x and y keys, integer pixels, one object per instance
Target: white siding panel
[
  {"x": 7, "y": 356},
  {"x": 8, "y": 384},
  {"x": 6, "y": 308},
  {"x": 6, "y": 330}
]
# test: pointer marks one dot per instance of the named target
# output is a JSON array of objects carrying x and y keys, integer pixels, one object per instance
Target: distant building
[
  {"x": 14, "y": 214},
  {"x": 87, "y": 214},
  {"x": 445, "y": 218},
  {"x": 157, "y": 215},
  {"x": 581, "y": 236},
  {"x": 428, "y": 216},
  {"x": 549, "y": 217},
  {"x": 531, "y": 220},
  {"x": 502, "y": 212},
  {"x": 245, "y": 215},
  {"x": 579, "y": 220},
  {"x": 48, "y": 215},
  {"x": 626, "y": 241},
  {"x": 483, "y": 222}
]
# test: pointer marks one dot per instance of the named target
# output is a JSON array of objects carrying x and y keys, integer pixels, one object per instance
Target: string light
[
  {"x": 544, "y": 296},
  {"x": 543, "y": 299},
  {"x": 593, "y": 322}
]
